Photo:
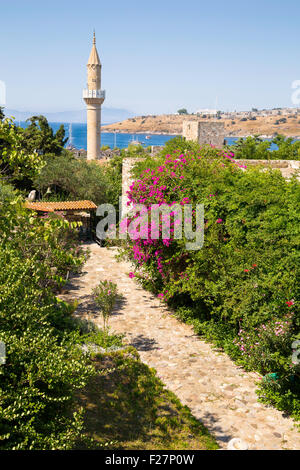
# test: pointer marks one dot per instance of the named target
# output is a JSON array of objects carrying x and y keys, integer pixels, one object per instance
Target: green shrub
[
  {"x": 17, "y": 164},
  {"x": 105, "y": 296},
  {"x": 74, "y": 178},
  {"x": 266, "y": 347},
  {"x": 255, "y": 148},
  {"x": 45, "y": 364},
  {"x": 247, "y": 273},
  {"x": 7, "y": 192},
  {"x": 179, "y": 145},
  {"x": 71, "y": 178}
]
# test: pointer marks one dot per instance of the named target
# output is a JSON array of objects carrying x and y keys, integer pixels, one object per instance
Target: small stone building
[{"x": 205, "y": 132}]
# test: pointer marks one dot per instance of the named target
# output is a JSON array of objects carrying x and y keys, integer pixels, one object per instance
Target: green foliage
[
  {"x": 16, "y": 163},
  {"x": 39, "y": 137},
  {"x": 182, "y": 111},
  {"x": 7, "y": 192},
  {"x": 73, "y": 179},
  {"x": 283, "y": 394},
  {"x": 255, "y": 148},
  {"x": 265, "y": 347},
  {"x": 50, "y": 241},
  {"x": 105, "y": 296},
  {"x": 179, "y": 145},
  {"x": 44, "y": 364},
  {"x": 287, "y": 149},
  {"x": 247, "y": 273},
  {"x": 113, "y": 181},
  {"x": 70, "y": 178},
  {"x": 134, "y": 150}
]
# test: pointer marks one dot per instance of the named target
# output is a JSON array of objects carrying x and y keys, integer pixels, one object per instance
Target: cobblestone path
[{"x": 218, "y": 392}]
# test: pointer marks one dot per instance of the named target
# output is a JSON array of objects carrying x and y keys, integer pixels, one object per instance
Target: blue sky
[{"x": 157, "y": 56}]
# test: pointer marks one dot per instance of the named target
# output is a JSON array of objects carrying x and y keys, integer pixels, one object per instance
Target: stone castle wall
[
  {"x": 205, "y": 132},
  {"x": 127, "y": 180},
  {"x": 190, "y": 130}
]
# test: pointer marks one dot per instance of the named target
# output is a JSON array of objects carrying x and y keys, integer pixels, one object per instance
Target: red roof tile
[{"x": 60, "y": 206}]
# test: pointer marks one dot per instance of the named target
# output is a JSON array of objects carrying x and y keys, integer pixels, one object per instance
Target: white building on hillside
[{"x": 207, "y": 112}]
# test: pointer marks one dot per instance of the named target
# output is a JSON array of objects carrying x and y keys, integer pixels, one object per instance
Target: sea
[{"x": 77, "y": 136}]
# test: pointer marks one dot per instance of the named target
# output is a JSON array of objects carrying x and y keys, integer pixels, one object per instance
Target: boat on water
[
  {"x": 70, "y": 145},
  {"x": 135, "y": 141}
]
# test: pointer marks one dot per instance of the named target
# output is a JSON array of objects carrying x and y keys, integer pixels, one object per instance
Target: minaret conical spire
[{"x": 94, "y": 57}]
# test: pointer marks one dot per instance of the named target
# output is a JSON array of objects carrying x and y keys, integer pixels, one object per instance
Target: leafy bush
[
  {"x": 45, "y": 364},
  {"x": 39, "y": 137},
  {"x": 248, "y": 269},
  {"x": 70, "y": 178},
  {"x": 105, "y": 296},
  {"x": 182, "y": 111},
  {"x": 17, "y": 164},
  {"x": 7, "y": 192},
  {"x": 51, "y": 241},
  {"x": 263, "y": 348},
  {"x": 179, "y": 145},
  {"x": 73, "y": 178},
  {"x": 255, "y": 148}
]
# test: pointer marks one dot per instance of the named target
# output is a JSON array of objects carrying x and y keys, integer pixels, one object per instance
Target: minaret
[{"x": 94, "y": 97}]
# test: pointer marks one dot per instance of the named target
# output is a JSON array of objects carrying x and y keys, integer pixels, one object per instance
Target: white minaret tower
[{"x": 94, "y": 97}]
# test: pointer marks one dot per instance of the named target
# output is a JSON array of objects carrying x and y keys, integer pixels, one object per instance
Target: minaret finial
[{"x": 94, "y": 38}]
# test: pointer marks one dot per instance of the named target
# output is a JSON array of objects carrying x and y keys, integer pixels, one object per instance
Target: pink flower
[
  {"x": 131, "y": 275},
  {"x": 219, "y": 221},
  {"x": 290, "y": 303}
]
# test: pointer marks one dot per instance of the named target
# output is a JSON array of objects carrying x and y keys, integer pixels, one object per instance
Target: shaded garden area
[{"x": 128, "y": 407}]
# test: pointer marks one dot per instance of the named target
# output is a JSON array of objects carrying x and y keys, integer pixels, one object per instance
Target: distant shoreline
[
  {"x": 266, "y": 126},
  {"x": 266, "y": 137},
  {"x": 139, "y": 133}
]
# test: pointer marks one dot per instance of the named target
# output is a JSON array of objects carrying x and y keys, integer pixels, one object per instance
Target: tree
[
  {"x": 182, "y": 111},
  {"x": 17, "y": 164},
  {"x": 39, "y": 136},
  {"x": 71, "y": 178},
  {"x": 1, "y": 113},
  {"x": 45, "y": 366}
]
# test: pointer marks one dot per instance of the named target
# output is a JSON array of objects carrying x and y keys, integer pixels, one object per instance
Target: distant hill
[
  {"x": 109, "y": 115},
  {"x": 172, "y": 124}
]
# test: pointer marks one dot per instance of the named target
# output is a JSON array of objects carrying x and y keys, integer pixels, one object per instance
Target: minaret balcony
[{"x": 100, "y": 94}]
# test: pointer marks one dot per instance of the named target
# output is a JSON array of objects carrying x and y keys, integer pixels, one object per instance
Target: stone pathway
[{"x": 218, "y": 392}]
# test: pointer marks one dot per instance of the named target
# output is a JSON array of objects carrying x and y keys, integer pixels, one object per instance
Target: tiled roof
[{"x": 60, "y": 206}]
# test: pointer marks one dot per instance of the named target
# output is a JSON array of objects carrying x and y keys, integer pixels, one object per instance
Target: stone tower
[
  {"x": 205, "y": 132},
  {"x": 94, "y": 97}
]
